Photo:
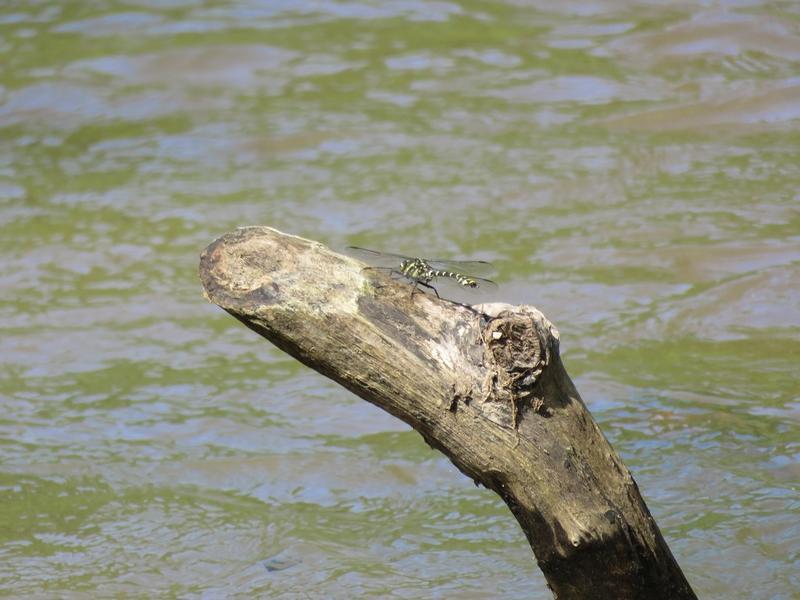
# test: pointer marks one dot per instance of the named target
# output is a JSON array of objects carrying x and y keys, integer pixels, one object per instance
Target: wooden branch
[{"x": 484, "y": 385}]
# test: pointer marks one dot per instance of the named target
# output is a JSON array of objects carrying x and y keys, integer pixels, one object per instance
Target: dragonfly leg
[{"x": 427, "y": 285}]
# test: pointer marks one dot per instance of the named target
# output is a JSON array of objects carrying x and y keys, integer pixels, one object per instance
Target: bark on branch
[{"x": 484, "y": 385}]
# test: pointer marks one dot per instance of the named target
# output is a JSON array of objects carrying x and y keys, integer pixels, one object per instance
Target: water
[{"x": 631, "y": 168}]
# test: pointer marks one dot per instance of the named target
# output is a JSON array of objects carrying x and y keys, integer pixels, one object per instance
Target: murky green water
[{"x": 632, "y": 169}]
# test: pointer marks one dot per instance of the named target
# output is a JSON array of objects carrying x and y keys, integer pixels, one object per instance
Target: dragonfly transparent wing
[
  {"x": 465, "y": 267},
  {"x": 487, "y": 284},
  {"x": 450, "y": 283},
  {"x": 385, "y": 259}
]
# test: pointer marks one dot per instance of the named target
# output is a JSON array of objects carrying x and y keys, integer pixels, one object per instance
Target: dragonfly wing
[
  {"x": 450, "y": 284},
  {"x": 465, "y": 267},
  {"x": 487, "y": 284},
  {"x": 375, "y": 257}
]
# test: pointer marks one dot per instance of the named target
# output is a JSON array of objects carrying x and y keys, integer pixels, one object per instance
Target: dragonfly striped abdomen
[{"x": 424, "y": 271}]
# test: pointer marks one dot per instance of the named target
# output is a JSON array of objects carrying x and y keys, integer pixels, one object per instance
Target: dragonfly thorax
[{"x": 418, "y": 270}]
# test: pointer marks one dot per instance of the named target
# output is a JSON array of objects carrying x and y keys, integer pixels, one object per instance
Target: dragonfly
[{"x": 423, "y": 271}]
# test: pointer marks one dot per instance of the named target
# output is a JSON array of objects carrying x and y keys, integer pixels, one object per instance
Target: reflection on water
[{"x": 630, "y": 168}]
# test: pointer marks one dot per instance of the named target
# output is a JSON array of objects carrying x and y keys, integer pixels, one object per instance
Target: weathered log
[{"x": 484, "y": 385}]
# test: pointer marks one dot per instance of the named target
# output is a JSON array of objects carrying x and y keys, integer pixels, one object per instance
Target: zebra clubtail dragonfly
[{"x": 423, "y": 271}]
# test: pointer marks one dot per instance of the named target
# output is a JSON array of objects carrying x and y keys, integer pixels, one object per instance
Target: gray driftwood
[{"x": 484, "y": 385}]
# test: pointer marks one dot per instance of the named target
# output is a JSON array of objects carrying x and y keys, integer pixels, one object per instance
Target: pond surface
[{"x": 632, "y": 169}]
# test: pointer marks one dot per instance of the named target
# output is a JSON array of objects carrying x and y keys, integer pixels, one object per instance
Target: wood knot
[{"x": 515, "y": 356}]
